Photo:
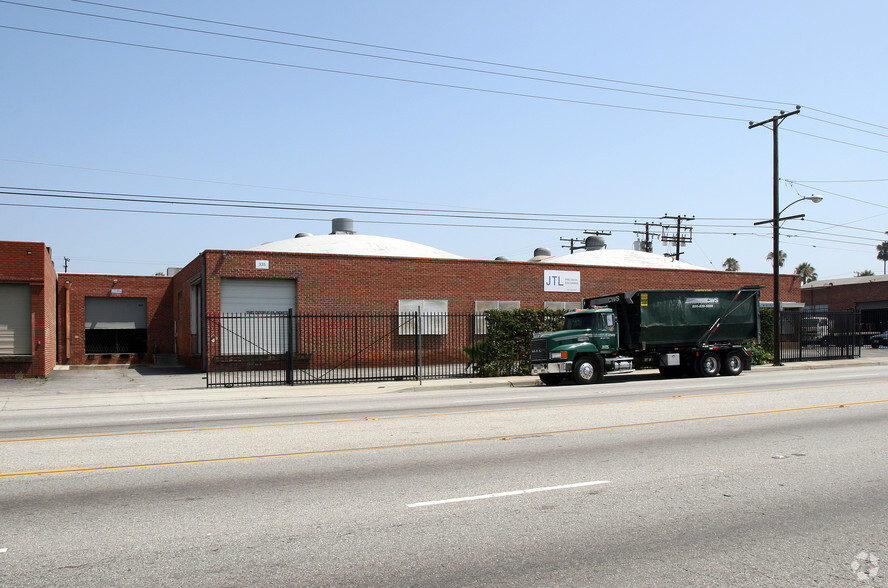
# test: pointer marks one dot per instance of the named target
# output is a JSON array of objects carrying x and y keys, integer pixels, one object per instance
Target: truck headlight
[{"x": 558, "y": 355}]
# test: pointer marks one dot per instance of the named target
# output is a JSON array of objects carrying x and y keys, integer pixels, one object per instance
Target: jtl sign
[{"x": 558, "y": 281}]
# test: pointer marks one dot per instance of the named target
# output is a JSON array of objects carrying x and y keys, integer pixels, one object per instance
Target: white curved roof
[
  {"x": 343, "y": 244},
  {"x": 624, "y": 258}
]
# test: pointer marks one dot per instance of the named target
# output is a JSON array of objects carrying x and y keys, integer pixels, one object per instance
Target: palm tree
[
  {"x": 731, "y": 265},
  {"x": 882, "y": 256},
  {"x": 806, "y": 270},
  {"x": 781, "y": 258}
]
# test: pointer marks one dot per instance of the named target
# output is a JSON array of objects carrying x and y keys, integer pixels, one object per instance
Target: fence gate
[
  {"x": 808, "y": 336},
  {"x": 272, "y": 348}
]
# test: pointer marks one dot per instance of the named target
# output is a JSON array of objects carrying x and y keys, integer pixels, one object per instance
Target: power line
[
  {"x": 401, "y": 60},
  {"x": 373, "y": 76},
  {"x": 428, "y": 54}
]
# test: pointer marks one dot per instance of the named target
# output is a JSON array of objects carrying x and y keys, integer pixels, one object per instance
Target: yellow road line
[
  {"x": 423, "y": 415},
  {"x": 433, "y": 443}
]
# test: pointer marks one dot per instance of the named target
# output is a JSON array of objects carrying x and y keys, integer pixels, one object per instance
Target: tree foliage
[
  {"x": 882, "y": 255},
  {"x": 506, "y": 350},
  {"x": 806, "y": 271},
  {"x": 731, "y": 265},
  {"x": 781, "y": 258}
]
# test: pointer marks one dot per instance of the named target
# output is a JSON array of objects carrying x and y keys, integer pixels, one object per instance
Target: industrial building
[{"x": 91, "y": 319}]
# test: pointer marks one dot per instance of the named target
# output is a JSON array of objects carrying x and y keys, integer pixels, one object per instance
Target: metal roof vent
[
  {"x": 540, "y": 254},
  {"x": 501, "y": 258},
  {"x": 595, "y": 243},
  {"x": 343, "y": 226},
  {"x": 300, "y": 235}
]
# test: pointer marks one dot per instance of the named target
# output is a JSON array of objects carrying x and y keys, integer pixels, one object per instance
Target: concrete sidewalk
[{"x": 148, "y": 385}]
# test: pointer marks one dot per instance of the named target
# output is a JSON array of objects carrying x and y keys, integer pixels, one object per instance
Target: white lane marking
[
  {"x": 501, "y": 494},
  {"x": 495, "y": 399}
]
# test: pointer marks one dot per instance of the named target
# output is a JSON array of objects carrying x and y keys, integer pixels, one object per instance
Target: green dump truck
[{"x": 680, "y": 332}]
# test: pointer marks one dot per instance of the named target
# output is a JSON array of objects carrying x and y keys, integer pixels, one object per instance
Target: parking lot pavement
[{"x": 148, "y": 385}]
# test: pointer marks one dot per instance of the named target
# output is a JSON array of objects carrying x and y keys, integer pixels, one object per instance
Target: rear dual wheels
[{"x": 712, "y": 364}]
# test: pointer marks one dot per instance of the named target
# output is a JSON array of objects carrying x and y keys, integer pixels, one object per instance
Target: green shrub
[{"x": 506, "y": 350}]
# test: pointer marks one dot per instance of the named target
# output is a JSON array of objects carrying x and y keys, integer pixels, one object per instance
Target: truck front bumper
[{"x": 561, "y": 367}]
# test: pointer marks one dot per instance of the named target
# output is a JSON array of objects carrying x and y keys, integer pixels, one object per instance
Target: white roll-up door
[
  {"x": 250, "y": 322},
  {"x": 245, "y": 296},
  {"x": 15, "y": 319}
]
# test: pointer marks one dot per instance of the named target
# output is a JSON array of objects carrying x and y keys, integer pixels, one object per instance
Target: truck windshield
[{"x": 581, "y": 321}]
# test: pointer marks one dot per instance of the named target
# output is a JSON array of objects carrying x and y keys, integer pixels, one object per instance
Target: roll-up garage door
[
  {"x": 15, "y": 319},
  {"x": 116, "y": 325},
  {"x": 257, "y": 296},
  {"x": 251, "y": 322}
]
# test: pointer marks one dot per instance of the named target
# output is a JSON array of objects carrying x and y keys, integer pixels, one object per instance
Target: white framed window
[
  {"x": 432, "y": 313},
  {"x": 483, "y": 305},
  {"x": 565, "y": 306}
]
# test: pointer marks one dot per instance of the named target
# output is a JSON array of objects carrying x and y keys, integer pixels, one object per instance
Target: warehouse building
[{"x": 88, "y": 319}]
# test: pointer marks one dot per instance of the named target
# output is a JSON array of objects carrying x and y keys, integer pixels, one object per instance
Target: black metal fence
[
  {"x": 271, "y": 348},
  {"x": 821, "y": 335}
]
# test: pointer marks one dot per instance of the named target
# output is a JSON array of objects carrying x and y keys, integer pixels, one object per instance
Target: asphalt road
[{"x": 772, "y": 478}]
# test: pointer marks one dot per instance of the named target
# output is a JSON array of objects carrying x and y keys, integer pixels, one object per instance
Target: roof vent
[
  {"x": 595, "y": 243},
  {"x": 501, "y": 258},
  {"x": 300, "y": 235},
  {"x": 541, "y": 253},
  {"x": 343, "y": 226}
]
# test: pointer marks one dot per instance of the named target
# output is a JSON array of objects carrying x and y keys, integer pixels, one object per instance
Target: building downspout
[{"x": 203, "y": 311}]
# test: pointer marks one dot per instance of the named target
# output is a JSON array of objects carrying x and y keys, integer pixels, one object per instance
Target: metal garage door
[
  {"x": 253, "y": 320},
  {"x": 257, "y": 296},
  {"x": 116, "y": 325},
  {"x": 15, "y": 319}
]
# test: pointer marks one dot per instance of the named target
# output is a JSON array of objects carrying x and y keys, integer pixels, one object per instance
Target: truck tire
[
  {"x": 551, "y": 379},
  {"x": 588, "y": 369},
  {"x": 732, "y": 364},
  {"x": 708, "y": 364}
]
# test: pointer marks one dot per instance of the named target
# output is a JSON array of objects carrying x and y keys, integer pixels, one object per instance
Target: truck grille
[{"x": 539, "y": 350}]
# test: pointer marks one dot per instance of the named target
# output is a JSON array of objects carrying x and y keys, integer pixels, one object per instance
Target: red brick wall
[
  {"x": 846, "y": 296},
  {"x": 75, "y": 288},
  {"x": 31, "y": 263},
  {"x": 343, "y": 284}
]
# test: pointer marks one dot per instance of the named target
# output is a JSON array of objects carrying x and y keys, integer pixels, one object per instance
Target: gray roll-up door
[
  {"x": 15, "y": 319},
  {"x": 116, "y": 313}
]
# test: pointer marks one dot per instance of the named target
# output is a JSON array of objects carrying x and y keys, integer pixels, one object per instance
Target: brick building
[
  {"x": 27, "y": 310},
  {"x": 86, "y": 319},
  {"x": 867, "y": 295}
]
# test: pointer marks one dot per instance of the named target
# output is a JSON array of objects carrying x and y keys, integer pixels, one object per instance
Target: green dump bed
[{"x": 654, "y": 318}]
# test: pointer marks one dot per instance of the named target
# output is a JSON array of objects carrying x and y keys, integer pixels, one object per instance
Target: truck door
[{"x": 607, "y": 330}]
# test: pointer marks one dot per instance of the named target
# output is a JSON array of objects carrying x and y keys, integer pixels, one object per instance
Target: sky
[{"x": 137, "y": 134}]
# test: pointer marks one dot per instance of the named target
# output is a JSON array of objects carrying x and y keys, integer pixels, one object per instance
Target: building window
[
  {"x": 432, "y": 313},
  {"x": 483, "y": 305},
  {"x": 116, "y": 325},
  {"x": 15, "y": 319},
  {"x": 565, "y": 306}
]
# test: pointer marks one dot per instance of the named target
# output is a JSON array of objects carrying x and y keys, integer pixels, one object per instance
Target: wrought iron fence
[
  {"x": 807, "y": 336},
  {"x": 282, "y": 348}
]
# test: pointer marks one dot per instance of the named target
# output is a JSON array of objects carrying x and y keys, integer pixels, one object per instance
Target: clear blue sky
[{"x": 576, "y": 136}]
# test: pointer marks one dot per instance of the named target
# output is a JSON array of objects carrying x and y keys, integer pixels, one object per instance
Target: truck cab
[{"x": 584, "y": 350}]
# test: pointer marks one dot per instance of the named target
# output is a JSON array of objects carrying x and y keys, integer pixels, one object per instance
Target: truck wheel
[
  {"x": 551, "y": 379},
  {"x": 588, "y": 369},
  {"x": 733, "y": 364},
  {"x": 709, "y": 364}
]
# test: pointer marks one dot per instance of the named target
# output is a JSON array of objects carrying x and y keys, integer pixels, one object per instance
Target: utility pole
[
  {"x": 67, "y": 259},
  {"x": 775, "y": 123},
  {"x": 678, "y": 238},
  {"x": 647, "y": 244}
]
